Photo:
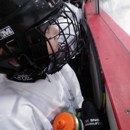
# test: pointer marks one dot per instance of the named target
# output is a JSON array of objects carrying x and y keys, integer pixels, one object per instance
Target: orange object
[{"x": 66, "y": 121}]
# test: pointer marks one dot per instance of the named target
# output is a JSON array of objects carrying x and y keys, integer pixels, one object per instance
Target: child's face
[{"x": 51, "y": 31}]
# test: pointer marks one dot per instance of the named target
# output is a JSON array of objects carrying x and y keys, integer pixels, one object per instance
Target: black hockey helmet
[{"x": 23, "y": 24}]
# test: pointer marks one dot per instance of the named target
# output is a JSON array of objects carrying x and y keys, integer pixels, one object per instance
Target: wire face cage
[{"x": 67, "y": 36}]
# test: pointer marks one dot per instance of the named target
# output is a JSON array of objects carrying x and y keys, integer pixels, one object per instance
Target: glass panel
[{"x": 119, "y": 11}]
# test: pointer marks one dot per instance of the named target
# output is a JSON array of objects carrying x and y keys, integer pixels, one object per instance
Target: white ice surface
[{"x": 119, "y": 11}]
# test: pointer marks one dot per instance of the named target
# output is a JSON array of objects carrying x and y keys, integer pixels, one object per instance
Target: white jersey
[{"x": 33, "y": 106}]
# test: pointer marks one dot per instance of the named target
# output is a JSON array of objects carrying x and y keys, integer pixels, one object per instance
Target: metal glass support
[{"x": 96, "y": 6}]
